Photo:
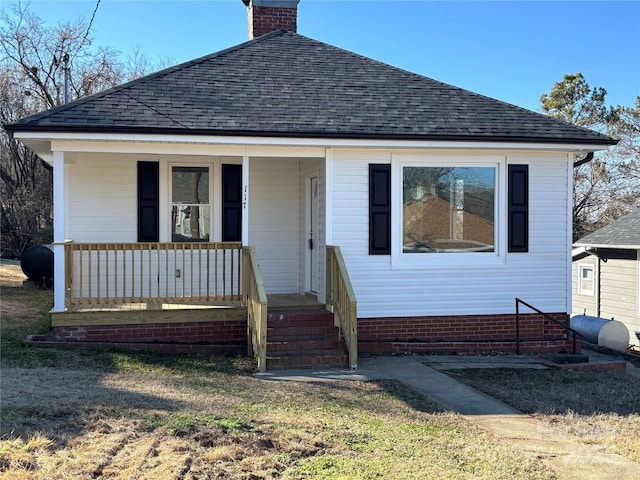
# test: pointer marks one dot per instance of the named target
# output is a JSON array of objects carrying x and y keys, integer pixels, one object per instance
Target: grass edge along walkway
[{"x": 565, "y": 453}]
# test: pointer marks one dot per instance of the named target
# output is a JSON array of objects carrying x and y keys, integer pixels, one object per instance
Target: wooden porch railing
[
  {"x": 342, "y": 301},
  {"x": 255, "y": 299},
  {"x": 100, "y": 273}
]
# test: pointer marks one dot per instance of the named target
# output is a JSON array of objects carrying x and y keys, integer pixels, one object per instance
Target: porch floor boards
[
  {"x": 276, "y": 301},
  {"x": 158, "y": 312},
  {"x": 148, "y": 306}
]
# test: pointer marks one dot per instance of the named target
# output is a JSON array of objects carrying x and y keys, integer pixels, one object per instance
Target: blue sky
[{"x": 510, "y": 50}]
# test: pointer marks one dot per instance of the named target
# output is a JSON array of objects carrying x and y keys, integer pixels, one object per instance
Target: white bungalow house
[{"x": 420, "y": 209}]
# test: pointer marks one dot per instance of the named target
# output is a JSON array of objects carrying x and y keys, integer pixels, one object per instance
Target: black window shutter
[
  {"x": 518, "y": 208},
  {"x": 148, "y": 202},
  {"x": 379, "y": 209},
  {"x": 231, "y": 203}
]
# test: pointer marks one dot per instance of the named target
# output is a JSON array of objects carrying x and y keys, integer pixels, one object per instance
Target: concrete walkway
[
  {"x": 565, "y": 453},
  {"x": 456, "y": 396}
]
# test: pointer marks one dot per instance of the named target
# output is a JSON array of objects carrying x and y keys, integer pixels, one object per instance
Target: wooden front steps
[{"x": 304, "y": 339}]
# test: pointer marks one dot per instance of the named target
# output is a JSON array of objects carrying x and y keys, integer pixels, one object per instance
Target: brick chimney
[{"x": 268, "y": 15}]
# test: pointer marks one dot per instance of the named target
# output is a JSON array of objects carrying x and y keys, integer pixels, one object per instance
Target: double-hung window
[
  {"x": 190, "y": 203},
  {"x": 586, "y": 279}
]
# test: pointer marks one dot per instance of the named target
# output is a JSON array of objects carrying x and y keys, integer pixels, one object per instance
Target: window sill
[{"x": 416, "y": 261}]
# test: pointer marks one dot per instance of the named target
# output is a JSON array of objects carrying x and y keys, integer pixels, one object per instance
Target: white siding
[
  {"x": 619, "y": 297},
  {"x": 382, "y": 289},
  {"x": 102, "y": 199},
  {"x": 102, "y": 204},
  {"x": 274, "y": 221}
]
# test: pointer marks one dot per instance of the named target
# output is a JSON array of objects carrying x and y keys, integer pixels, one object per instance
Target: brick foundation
[
  {"x": 463, "y": 334},
  {"x": 223, "y": 332},
  {"x": 472, "y": 334}
]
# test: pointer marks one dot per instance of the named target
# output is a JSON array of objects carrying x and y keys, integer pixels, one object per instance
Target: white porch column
[
  {"x": 59, "y": 274},
  {"x": 328, "y": 227},
  {"x": 245, "y": 200}
]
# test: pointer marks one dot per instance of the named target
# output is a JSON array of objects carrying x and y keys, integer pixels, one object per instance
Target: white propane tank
[{"x": 601, "y": 331}]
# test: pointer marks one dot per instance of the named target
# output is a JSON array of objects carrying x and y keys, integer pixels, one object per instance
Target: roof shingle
[
  {"x": 285, "y": 84},
  {"x": 624, "y": 232}
]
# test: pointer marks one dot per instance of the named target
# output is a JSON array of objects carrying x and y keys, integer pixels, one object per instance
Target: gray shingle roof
[
  {"x": 285, "y": 84},
  {"x": 624, "y": 232}
]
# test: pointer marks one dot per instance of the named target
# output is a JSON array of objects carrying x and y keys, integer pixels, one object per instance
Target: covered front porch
[
  {"x": 188, "y": 293},
  {"x": 141, "y": 224},
  {"x": 181, "y": 234}
]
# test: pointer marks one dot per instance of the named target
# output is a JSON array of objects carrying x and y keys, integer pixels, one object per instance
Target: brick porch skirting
[{"x": 230, "y": 332}]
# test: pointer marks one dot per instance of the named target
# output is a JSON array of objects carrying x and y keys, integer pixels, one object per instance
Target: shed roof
[
  {"x": 285, "y": 84},
  {"x": 622, "y": 233}
]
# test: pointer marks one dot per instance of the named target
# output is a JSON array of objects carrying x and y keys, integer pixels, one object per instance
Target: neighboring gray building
[{"x": 606, "y": 273}]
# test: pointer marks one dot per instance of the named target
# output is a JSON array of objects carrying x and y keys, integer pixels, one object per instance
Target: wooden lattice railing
[{"x": 99, "y": 273}]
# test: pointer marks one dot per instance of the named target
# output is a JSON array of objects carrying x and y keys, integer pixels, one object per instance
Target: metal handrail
[{"x": 548, "y": 317}]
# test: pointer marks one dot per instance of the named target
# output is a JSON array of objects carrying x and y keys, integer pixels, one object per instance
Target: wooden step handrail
[
  {"x": 341, "y": 300},
  {"x": 255, "y": 299}
]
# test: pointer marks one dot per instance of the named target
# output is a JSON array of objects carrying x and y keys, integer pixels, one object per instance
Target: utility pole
[{"x": 65, "y": 59}]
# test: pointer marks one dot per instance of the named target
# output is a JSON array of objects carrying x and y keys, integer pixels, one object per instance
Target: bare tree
[
  {"x": 34, "y": 58},
  {"x": 608, "y": 186}
]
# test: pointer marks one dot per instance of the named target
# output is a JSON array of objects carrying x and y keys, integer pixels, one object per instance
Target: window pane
[
  {"x": 448, "y": 209},
  {"x": 190, "y": 185},
  {"x": 190, "y": 223},
  {"x": 586, "y": 284}
]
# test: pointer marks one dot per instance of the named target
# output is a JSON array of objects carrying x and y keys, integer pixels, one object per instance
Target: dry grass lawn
[
  {"x": 76, "y": 414},
  {"x": 598, "y": 407},
  {"x": 71, "y": 414}
]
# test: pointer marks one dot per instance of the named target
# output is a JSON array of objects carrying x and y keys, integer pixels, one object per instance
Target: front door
[{"x": 312, "y": 235}]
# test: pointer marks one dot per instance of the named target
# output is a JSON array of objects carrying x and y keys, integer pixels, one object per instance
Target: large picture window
[
  {"x": 190, "y": 204},
  {"x": 448, "y": 209}
]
